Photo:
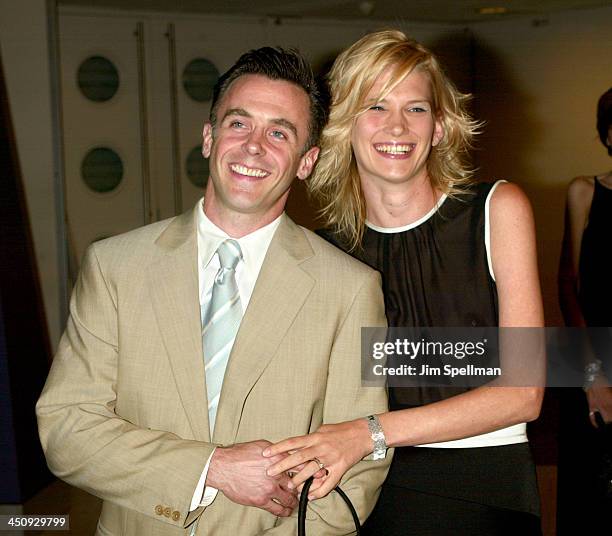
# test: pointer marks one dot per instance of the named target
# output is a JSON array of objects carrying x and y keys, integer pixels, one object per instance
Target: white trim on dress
[
  {"x": 410, "y": 225},
  {"x": 487, "y": 236}
]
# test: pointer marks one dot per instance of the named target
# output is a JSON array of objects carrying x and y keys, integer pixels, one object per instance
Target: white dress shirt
[{"x": 254, "y": 247}]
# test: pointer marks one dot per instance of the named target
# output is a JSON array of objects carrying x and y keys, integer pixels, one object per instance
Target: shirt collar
[{"x": 253, "y": 245}]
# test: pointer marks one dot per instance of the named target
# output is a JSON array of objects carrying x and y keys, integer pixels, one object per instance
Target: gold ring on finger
[{"x": 319, "y": 462}]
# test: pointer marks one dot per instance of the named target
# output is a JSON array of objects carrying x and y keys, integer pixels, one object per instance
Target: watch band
[{"x": 378, "y": 437}]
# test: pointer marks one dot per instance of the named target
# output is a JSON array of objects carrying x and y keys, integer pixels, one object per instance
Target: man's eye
[
  {"x": 236, "y": 124},
  {"x": 278, "y": 134}
]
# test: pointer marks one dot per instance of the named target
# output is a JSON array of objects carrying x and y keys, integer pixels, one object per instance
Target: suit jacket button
[
  {"x": 176, "y": 515},
  {"x": 167, "y": 511},
  {"x": 159, "y": 509}
]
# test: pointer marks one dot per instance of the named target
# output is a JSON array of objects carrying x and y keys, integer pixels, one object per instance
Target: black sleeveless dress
[
  {"x": 594, "y": 269},
  {"x": 581, "y": 508},
  {"x": 436, "y": 273}
]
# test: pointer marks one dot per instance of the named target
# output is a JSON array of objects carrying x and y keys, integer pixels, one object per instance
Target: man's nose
[{"x": 254, "y": 145}]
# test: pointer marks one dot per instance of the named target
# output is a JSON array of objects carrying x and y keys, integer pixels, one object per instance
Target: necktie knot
[{"x": 229, "y": 254}]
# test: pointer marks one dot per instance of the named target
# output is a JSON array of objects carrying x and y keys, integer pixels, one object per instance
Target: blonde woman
[{"x": 397, "y": 193}]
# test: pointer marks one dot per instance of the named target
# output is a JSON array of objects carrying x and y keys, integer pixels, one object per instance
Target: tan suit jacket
[{"x": 124, "y": 415}]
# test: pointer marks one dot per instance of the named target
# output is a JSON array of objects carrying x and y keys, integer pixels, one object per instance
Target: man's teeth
[
  {"x": 395, "y": 149},
  {"x": 249, "y": 172}
]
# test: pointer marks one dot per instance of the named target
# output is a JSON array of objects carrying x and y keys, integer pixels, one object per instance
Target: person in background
[
  {"x": 585, "y": 295},
  {"x": 397, "y": 192}
]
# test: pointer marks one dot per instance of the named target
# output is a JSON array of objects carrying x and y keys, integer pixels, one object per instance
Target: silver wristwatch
[{"x": 378, "y": 437}]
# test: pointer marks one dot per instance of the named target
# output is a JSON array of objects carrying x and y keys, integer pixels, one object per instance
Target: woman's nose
[{"x": 397, "y": 124}]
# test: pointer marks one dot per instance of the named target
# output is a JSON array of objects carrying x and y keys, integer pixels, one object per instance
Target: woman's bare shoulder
[
  {"x": 580, "y": 193},
  {"x": 581, "y": 186}
]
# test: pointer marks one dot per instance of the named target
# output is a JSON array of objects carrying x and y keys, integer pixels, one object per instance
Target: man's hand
[{"x": 239, "y": 472}]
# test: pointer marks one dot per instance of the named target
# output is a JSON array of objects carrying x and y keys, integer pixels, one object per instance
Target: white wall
[
  {"x": 537, "y": 86},
  {"x": 25, "y": 56}
]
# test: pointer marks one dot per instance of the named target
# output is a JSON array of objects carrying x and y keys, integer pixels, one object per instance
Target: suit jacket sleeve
[
  {"x": 85, "y": 441},
  {"x": 347, "y": 399}
]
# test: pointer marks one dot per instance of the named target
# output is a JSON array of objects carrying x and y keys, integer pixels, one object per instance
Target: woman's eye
[
  {"x": 418, "y": 109},
  {"x": 377, "y": 108}
]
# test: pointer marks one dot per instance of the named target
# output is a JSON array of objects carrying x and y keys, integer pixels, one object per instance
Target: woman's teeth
[{"x": 394, "y": 149}]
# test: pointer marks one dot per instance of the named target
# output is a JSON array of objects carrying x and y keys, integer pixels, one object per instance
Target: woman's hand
[
  {"x": 337, "y": 446},
  {"x": 599, "y": 397}
]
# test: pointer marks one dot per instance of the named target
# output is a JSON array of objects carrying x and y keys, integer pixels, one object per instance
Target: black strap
[{"x": 304, "y": 503}]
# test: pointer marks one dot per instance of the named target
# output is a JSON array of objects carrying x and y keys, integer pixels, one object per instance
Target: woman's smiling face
[{"x": 392, "y": 139}]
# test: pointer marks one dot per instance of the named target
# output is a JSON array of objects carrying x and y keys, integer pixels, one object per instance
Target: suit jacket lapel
[
  {"x": 265, "y": 323},
  {"x": 174, "y": 293}
]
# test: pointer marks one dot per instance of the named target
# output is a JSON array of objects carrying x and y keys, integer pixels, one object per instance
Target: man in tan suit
[{"x": 129, "y": 412}]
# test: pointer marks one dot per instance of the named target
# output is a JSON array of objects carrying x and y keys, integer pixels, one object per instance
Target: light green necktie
[{"x": 221, "y": 322}]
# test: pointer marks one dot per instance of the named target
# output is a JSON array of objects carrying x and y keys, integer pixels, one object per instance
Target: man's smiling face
[{"x": 256, "y": 150}]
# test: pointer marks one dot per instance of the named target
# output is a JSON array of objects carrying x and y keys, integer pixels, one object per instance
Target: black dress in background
[
  {"x": 581, "y": 509},
  {"x": 596, "y": 260},
  {"x": 435, "y": 273}
]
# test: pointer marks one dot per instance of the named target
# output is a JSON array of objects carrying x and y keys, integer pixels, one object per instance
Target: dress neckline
[
  {"x": 409, "y": 226},
  {"x": 601, "y": 184}
]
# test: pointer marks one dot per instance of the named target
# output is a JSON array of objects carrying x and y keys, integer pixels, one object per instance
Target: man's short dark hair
[
  {"x": 277, "y": 64},
  {"x": 604, "y": 118}
]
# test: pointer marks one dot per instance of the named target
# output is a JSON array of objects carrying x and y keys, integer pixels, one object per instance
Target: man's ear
[
  {"x": 207, "y": 136},
  {"x": 307, "y": 163},
  {"x": 438, "y": 133}
]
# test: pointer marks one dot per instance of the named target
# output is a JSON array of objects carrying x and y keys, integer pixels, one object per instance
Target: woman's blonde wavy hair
[{"x": 335, "y": 184}]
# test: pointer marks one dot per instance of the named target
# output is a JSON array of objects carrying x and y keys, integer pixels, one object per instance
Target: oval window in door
[
  {"x": 98, "y": 79},
  {"x": 197, "y": 167},
  {"x": 102, "y": 169},
  {"x": 199, "y": 78}
]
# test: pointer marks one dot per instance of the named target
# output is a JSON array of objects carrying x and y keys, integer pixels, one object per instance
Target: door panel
[{"x": 102, "y": 137}]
